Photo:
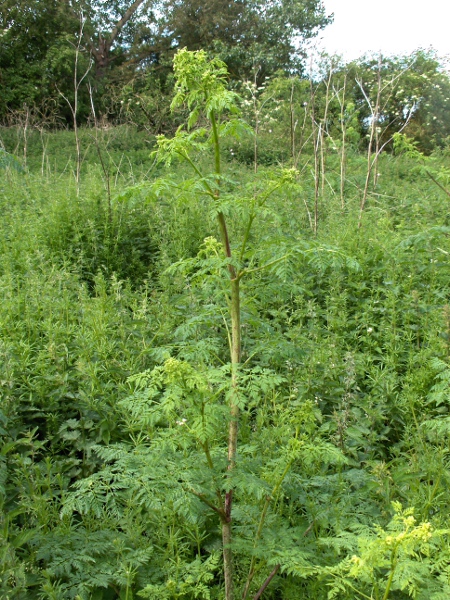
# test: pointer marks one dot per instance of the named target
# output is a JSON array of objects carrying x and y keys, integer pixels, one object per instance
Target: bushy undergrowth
[
  {"x": 125, "y": 149},
  {"x": 113, "y": 334}
]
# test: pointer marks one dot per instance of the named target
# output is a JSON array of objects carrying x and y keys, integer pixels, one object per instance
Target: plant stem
[
  {"x": 246, "y": 236},
  {"x": 235, "y": 355},
  {"x": 216, "y": 144},
  {"x": 391, "y": 574},
  {"x": 251, "y": 571},
  {"x": 262, "y": 589},
  {"x": 203, "y": 498},
  {"x": 315, "y": 138},
  {"x": 437, "y": 183},
  {"x": 269, "y": 264},
  {"x": 232, "y": 433}
]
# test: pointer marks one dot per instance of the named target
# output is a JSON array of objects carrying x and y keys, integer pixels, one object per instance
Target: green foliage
[
  {"x": 39, "y": 41},
  {"x": 9, "y": 161},
  {"x": 116, "y": 379},
  {"x": 398, "y": 558},
  {"x": 413, "y": 92},
  {"x": 249, "y": 35},
  {"x": 35, "y": 52}
]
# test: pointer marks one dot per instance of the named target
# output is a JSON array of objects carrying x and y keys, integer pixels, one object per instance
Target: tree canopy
[
  {"x": 38, "y": 40},
  {"x": 123, "y": 53}
]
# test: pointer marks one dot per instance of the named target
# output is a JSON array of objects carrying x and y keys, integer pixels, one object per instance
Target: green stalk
[
  {"x": 216, "y": 144},
  {"x": 208, "y": 189},
  {"x": 235, "y": 355},
  {"x": 251, "y": 571},
  {"x": 391, "y": 574},
  {"x": 246, "y": 235},
  {"x": 209, "y": 460},
  {"x": 232, "y": 435}
]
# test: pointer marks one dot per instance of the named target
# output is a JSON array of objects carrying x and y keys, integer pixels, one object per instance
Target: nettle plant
[{"x": 219, "y": 442}]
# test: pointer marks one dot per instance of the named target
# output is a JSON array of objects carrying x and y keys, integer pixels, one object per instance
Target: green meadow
[{"x": 189, "y": 415}]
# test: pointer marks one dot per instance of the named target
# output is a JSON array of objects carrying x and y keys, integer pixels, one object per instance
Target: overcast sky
[{"x": 392, "y": 26}]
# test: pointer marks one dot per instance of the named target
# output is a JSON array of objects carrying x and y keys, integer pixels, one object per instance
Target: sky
[{"x": 392, "y": 26}]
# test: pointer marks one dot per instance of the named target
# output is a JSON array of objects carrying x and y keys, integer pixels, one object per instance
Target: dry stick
[
  {"x": 118, "y": 172},
  {"x": 74, "y": 107},
  {"x": 293, "y": 123},
  {"x": 13, "y": 118},
  {"x": 379, "y": 109},
  {"x": 263, "y": 588},
  {"x": 437, "y": 183},
  {"x": 46, "y": 117},
  {"x": 25, "y": 134},
  {"x": 316, "y": 155},
  {"x": 257, "y": 111},
  {"x": 343, "y": 151},
  {"x": 369, "y": 149},
  {"x": 371, "y": 162},
  {"x": 375, "y": 117},
  {"x": 388, "y": 141},
  {"x": 27, "y": 120},
  {"x": 100, "y": 155},
  {"x": 369, "y": 171},
  {"x": 325, "y": 128},
  {"x": 376, "y": 120},
  {"x": 316, "y": 177},
  {"x": 44, "y": 145},
  {"x": 19, "y": 119},
  {"x": 308, "y": 212},
  {"x": 302, "y": 143}
]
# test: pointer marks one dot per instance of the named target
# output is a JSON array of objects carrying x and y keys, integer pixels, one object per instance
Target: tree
[
  {"x": 416, "y": 92},
  {"x": 113, "y": 28},
  {"x": 248, "y": 34},
  {"x": 39, "y": 38},
  {"x": 34, "y": 50}
]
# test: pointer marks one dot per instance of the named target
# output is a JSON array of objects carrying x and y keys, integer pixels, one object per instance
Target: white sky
[{"x": 392, "y": 26}]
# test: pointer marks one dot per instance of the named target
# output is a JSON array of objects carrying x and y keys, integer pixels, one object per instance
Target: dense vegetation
[
  {"x": 121, "y": 471},
  {"x": 122, "y": 43}
]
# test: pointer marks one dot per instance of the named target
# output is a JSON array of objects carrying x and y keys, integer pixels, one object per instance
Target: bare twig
[
  {"x": 74, "y": 106},
  {"x": 262, "y": 589},
  {"x": 203, "y": 498},
  {"x": 105, "y": 170},
  {"x": 437, "y": 183},
  {"x": 372, "y": 163}
]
